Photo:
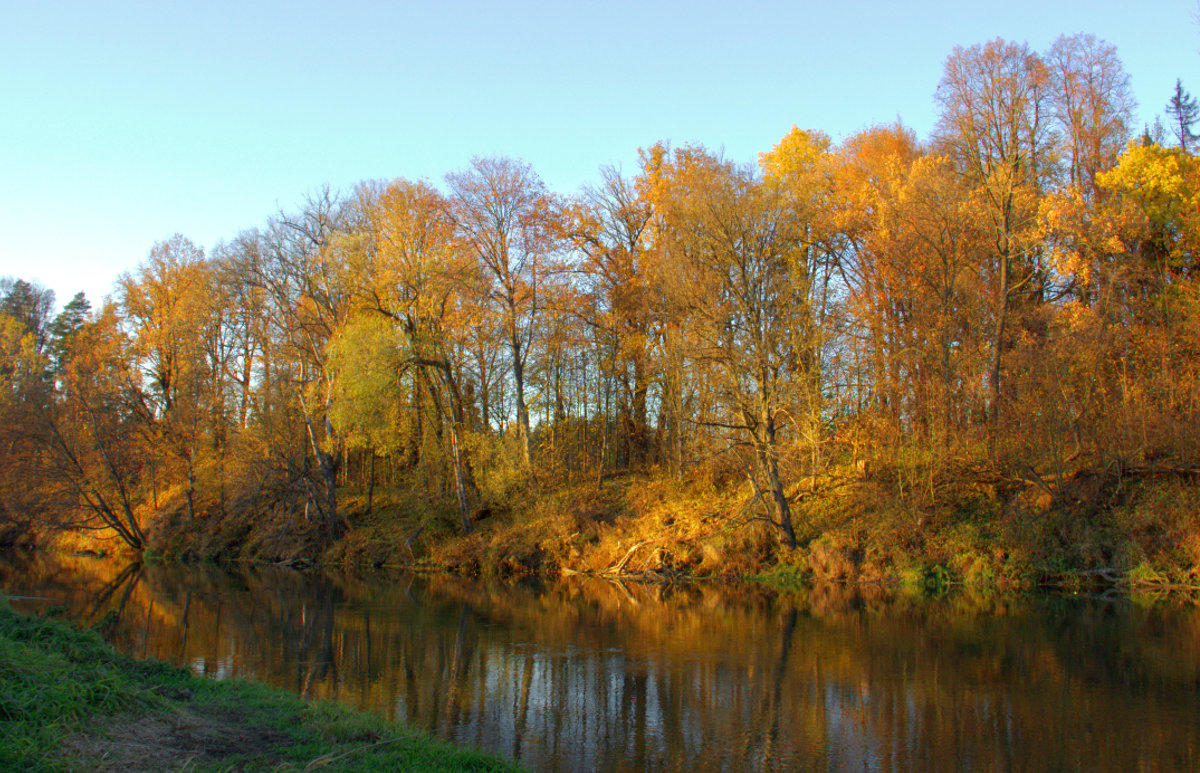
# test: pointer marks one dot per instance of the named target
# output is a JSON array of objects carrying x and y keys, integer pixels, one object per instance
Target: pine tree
[
  {"x": 62, "y": 330},
  {"x": 1184, "y": 111}
]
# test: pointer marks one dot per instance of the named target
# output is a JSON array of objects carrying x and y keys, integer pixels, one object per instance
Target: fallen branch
[
  {"x": 1115, "y": 579},
  {"x": 1107, "y": 574},
  {"x": 408, "y": 543},
  {"x": 620, "y": 565},
  {"x": 1160, "y": 471}
]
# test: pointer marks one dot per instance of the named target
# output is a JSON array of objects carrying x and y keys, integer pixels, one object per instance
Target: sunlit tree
[{"x": 506, "y": 219}]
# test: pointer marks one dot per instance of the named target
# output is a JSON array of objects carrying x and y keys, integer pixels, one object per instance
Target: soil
[{"x": 177, "y": 740}]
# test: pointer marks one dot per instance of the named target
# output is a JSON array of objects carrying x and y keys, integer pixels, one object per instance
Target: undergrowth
[{"x": 969, "y": 525}]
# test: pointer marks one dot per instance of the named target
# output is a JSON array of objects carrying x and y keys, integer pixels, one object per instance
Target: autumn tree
[
  {"x": 661, "y": 171},
  {"x": 994, "y": 127},
  {"x": 744, "y": 282},
  {"x": 611, "y": 231},
  {"x": 405, "y": 267},
  {"x": 29, "y": 306},
  {"x": 165, "y": 304},
  {"x": 240, "y": 265},
  {"x": 371, "y": 407},
  {"x": 868, "y": 166},
  {"x": 1091, "y": 101},
  {"x": 914, "y": 289},
  {"x": 506, "y": 219},
  {"x": 298, "y": 272},
  {"x": 24, "y": 393},
  {"x": 96, "y": 455},
  {"x": 802, "y": 169},
  {"x": 1129, "y": 346},
  {"x": 1163, "y": 184}
]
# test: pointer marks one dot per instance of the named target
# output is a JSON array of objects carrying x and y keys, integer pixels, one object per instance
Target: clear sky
[{"x": 122, "y": 123}]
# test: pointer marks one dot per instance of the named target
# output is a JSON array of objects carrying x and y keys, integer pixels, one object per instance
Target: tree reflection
[{"x": 589, "y": 675}]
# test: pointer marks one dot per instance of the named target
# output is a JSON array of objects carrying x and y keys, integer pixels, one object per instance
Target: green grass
[{"x": 70, "y": 702}]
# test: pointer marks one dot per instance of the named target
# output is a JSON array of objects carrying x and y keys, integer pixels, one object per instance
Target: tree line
[{"x": 1017, "y": 293}]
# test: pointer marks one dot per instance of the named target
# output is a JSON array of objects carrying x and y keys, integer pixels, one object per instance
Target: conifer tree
[{"x": 1184, "y": 111}]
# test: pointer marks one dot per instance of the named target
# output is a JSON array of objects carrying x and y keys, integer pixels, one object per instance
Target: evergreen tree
[
  {"x": 1184, "y": 111},
  {"x": 62, "y": 330}
]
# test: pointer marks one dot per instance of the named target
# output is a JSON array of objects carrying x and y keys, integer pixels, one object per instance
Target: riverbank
[
  {"x": 970, "y": 526},
  {"x": 70, "y": 702}
]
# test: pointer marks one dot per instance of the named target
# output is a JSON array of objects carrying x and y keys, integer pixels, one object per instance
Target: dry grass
[{"x": 631, "y": 525}]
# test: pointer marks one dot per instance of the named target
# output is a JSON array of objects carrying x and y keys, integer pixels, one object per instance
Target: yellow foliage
[
  {"x": 799, "y": 152},
  {"x": 1164, "y": 184},
  {"x": 369, "y": 406}
]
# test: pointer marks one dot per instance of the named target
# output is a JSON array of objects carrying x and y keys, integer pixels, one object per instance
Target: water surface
[{"x": 589, "y": 675}]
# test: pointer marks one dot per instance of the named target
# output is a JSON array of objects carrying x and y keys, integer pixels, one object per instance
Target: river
[{"x": 589, "y": 675}]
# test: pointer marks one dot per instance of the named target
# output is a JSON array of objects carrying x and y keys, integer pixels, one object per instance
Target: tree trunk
[
  {"x": 769, "y": 459},
  {"x": 994, "y": 391},
  {"x": 519, "y": 384},
  {"x": 641, "y": 388},
  {"x": 460, "y": 481},
  {"x": 371, "y": 480}
]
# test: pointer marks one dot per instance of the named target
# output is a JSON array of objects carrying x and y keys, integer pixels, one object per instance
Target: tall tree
[
  {"x": 747, "y": 290},
  {"x": 994, "y": 128},
  {"x": 165, "y": 305},
  {"x": 1091, "y": 100},
  {"x": 299, "y": 272},
  {"x": 1183, "y": 111},
  {"x": 63, "y": 329},
  {"x": 29, "y": 305},
  {"x": 96, "y": 453},
  {"x": 871, "y": 164},
  {"x": 662, "y": 169},
  {"x": 506, "y": 218},
  {"x": 24, "y": 392},
  {"x": 612, "y": 233},
  {"x": 240, "y": 267},
  {"x": 917, "y": 285},
  {"x": 405, "y": 266},
  {"x": 801, "y": 167}
]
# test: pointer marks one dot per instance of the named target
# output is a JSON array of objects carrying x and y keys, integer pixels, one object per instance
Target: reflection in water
[{"x": 586, "y": 675}]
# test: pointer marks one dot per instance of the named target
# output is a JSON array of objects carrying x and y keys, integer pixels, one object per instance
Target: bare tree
[
  {"x": 994, "y": 126},
  {"x": 505, "y": 217},
  {"x": 299, "y": 272},
  {"x": 1091, "y": 100}
]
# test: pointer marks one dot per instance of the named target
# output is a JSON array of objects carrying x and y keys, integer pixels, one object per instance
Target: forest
[{"x": 823, "y": 359}]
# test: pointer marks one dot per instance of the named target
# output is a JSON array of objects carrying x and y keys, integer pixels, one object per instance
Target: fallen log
[{"x": 620, "y": 565}]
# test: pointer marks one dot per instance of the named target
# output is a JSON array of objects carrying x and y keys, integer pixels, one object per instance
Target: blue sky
[{"x": 123, "y": 123}]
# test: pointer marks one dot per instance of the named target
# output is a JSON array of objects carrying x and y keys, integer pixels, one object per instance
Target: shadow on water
[{"x": 590, "y": 675}]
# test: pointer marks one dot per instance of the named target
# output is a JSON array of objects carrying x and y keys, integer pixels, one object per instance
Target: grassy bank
[{"x": 70, "y": 702}]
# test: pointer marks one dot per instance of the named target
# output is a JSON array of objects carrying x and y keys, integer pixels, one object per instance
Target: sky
[{"x": 124, "y": 123}]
